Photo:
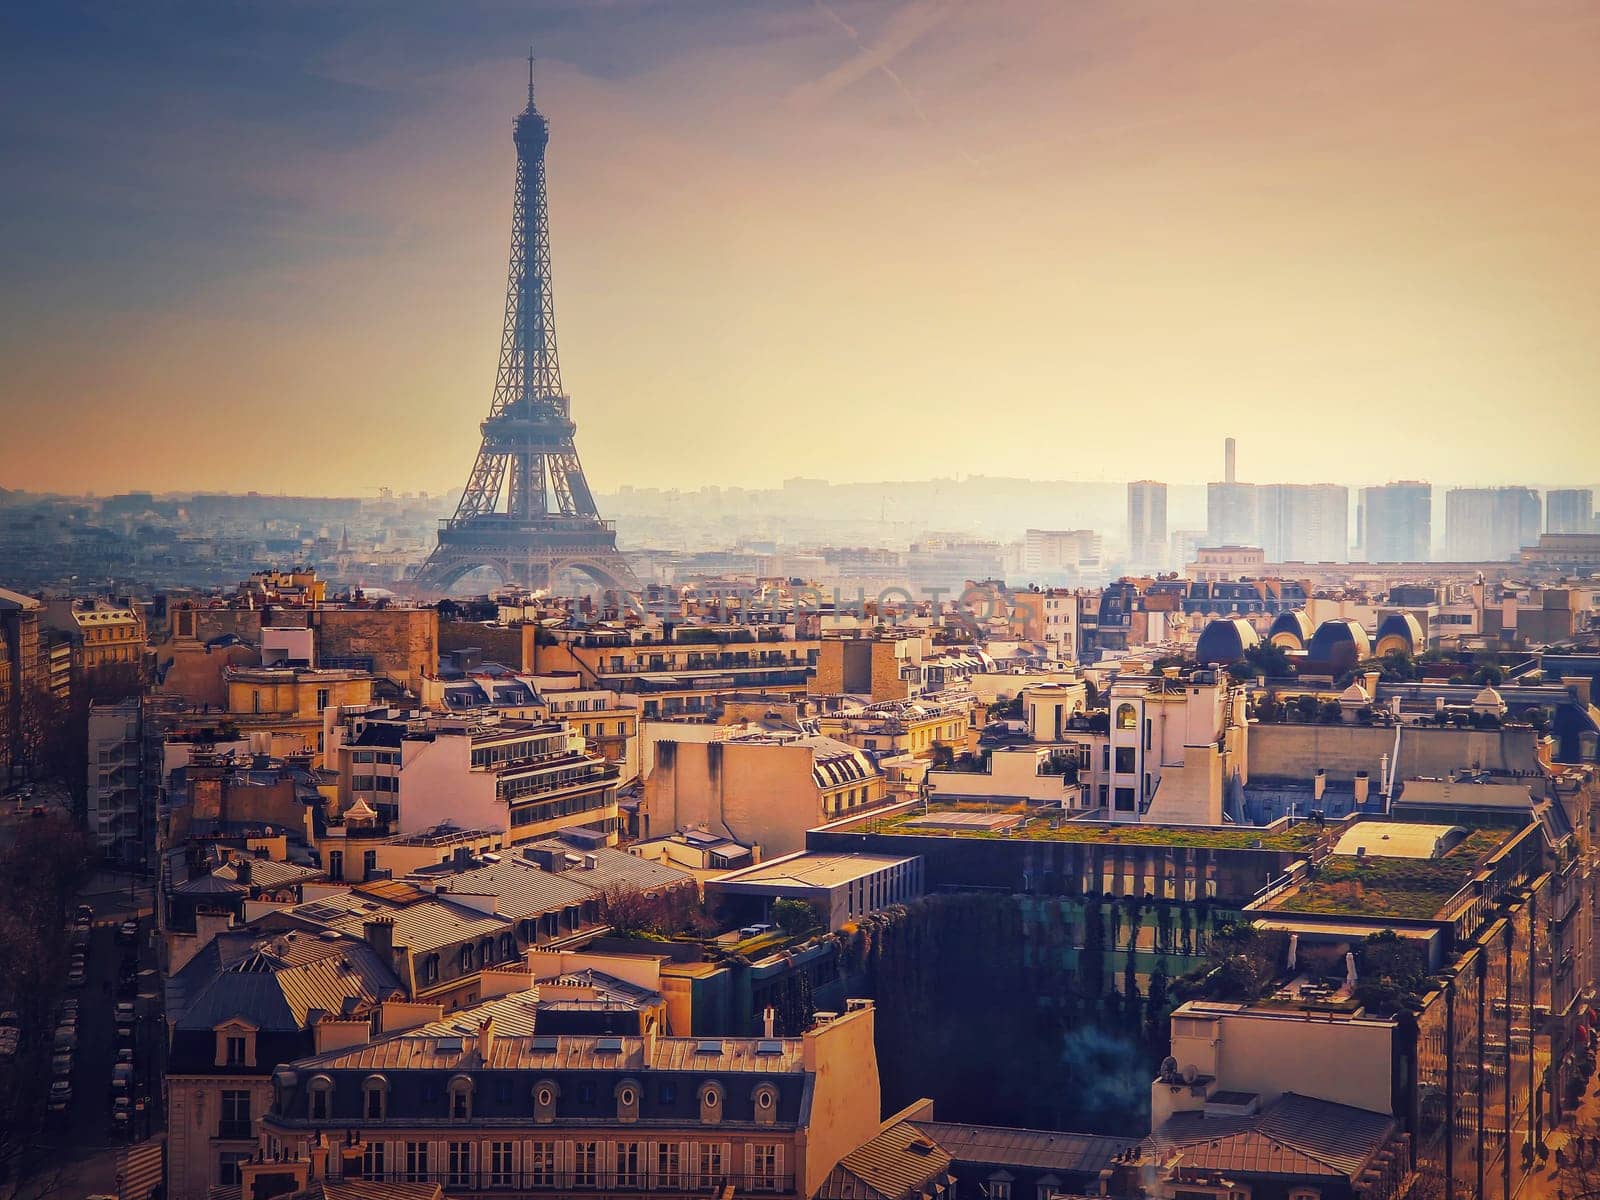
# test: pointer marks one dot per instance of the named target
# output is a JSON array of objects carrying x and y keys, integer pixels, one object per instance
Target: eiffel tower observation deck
[{"x": 527, "y": 513}]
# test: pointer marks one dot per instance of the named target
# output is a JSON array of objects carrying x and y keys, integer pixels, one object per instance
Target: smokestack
[
  {"x": 1362, "y": 785},
  {"x": 769, "y": 1017},
  {"x": 1228, "y": 460}
]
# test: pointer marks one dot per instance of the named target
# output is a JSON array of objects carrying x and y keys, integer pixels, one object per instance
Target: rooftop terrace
[
  {"x": 1376, "y": 886},
  {"x": 977, "y": 821}
]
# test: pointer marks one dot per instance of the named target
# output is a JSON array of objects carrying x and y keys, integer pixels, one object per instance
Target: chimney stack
[
  {"x": 769, "y": 1018},
  {"x": 485, "y": 1039},
  {"x": 1362, "y": 783},
  {"x": 1319, "y": 784},
  {"x": 241, "y": 868},
  {"x": 379, "y": 934}
]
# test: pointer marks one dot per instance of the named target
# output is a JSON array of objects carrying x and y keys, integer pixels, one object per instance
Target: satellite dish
[{"x": 1190, "y": 1074}]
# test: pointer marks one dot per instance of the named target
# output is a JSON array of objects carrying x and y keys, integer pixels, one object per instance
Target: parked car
[
  {"x": 60, "y": 1095},
  {"x": 122, "y": 1078},
  {"x": 121, "y": 1112},
  {"x": 128, "y": 931},
  {"x": 125, "y": 1055},
  {"x": 11, "y": 1018},
  {"x": 66, "y": 1038},
  {"x": 85, "y": 912},
  {"x": 76, "y": 977},
  {"x": 61, "y": 1064},
  {"x": 10, "y": 1042},
  {"x": 36, "y": 811}
]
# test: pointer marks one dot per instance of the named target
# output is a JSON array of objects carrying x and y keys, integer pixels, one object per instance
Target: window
[
  {"x": 372, "y": 1160},
  {"x": 374, "y": 1092},
  {"x": 766, "y": 1104},
  {"x": 1125, "y": 763},
  {"x": 235, "y": 1118},
  {"x": 1124, "y": 799},
  {"x": 711, "y": 1165},
  {"x": 460, "y": 1098},
  {"x": 586, "y": 1164},
  {"x": 466, "y": 959},
  {"x": 764, "y": 1164},
  {"x": 627, "y": 1101},
  {"x": 501, "y": 1173},
  {"x": 668, "y": 1174},
  {"x": 322, "y": 699},
  {"x": 228, "y": 1167},
  {"x": 318, "y": 1097},
  {"x": 235, "y": 1052},
  {"x": 369, "y": 863},
  {"x": 416, "y": 1162},
  {"x": 1127, "y": 718},
  {"x": 669, "y": 1093},
  {"x": 628, "y": 1165},
  {"x": 336, "y": 865},
  {"x": 999, "y": 1187},
  {"x": 542, "y": 1164},
  {"x": 710, "y": 1103},
  {"x": 544, "y": 1101},
  {"x": 460, "y": 1164},
  {"x": 430, "y": 969}
]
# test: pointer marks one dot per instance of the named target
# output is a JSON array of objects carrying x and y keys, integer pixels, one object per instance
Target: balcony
[
  {"x": 612, "y": 1183},
  {"x": 235, "y": 1131}
]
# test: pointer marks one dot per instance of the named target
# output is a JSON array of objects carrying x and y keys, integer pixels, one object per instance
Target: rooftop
[
  {"x": 814, "y": 870},
  {"x": 1378, "y": 886},
  {"x": 1284, "y": 835}
]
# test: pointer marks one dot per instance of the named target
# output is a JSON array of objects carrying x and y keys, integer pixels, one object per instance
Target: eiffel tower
[{"x": 527, "y": 512}]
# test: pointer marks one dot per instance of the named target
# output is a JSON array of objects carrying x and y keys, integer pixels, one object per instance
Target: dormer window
[
  {"x": 545, "y": 1093},
  {"x": 710, "y": 1103},
  {"x": 766, "y": 1102},
  {"x": 319, "y": 1098},
  {"x": 466, "y": 959},
  {"x": 627, "y": 1095},
  {"x": 460, "y": 1098},
  {"x": 236, "y": 1044},
  {"x": 374, "y": 1097}
]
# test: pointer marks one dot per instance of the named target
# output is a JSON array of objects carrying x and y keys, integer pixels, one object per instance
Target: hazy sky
[{"x": 263, "y": 246}]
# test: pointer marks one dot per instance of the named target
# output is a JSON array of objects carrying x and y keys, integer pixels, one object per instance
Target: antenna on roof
[{"x": 530, "y": 76}]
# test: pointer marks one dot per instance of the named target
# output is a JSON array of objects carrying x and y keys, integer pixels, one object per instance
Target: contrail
[{"x": 854, "y": 36}]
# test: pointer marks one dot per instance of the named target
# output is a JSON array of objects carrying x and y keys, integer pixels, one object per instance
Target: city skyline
[{"x": 311, "y": 232}]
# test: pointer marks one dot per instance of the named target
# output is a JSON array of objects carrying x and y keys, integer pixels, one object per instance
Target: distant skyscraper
[
  {"x": 1303, "y": 522},
  {"x": 1147, "y": 523},
  {"x": 1394, "y": 523},
  {"x": 1231, "y": 506},
  {"x": 1569, "y": 510},
  {"x": 1490, "y": 524}
]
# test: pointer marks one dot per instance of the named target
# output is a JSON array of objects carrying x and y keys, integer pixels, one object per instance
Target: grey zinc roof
[
  {"x": 276, "y": 987},
  {"x": 417, "y": 1050},
  {"x": 616, "y": 868},
  {"x": 521, "y": 888},
  {"x": 1034, "y": 1148},
  {"x": 422, "y": 925},
  {"x": 1299, "y": 1135},
  {"x": 900, "y": 1161},
  {"x": 266, "y": 872}
]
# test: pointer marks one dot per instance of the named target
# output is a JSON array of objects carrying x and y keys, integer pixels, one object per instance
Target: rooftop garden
[
  {"x": 1297, "y": 837},
  {"x": 1411, "y": 888}
]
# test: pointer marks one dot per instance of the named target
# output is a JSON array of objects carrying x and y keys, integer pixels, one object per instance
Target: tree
[
  {"x": 1305, "y": 705},
  {"x": 1489, "y": 675},
  {"x": 1270, "y": 660},
  {"x": 795, "y": 916}
]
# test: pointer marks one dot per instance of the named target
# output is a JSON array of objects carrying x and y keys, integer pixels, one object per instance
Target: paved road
[{"x": 77, "y": 1153}]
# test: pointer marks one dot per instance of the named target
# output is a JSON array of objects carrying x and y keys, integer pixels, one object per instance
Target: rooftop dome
[
  {"x": 1339, "y": 644},
  {"x": 1224, "y": 641},
  {"x": 1399, "y": 631},
  {"x": 1291, "y": 630}
]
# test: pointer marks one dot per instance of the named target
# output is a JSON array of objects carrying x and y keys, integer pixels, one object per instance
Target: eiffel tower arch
[{"x": 527, "y": 512}]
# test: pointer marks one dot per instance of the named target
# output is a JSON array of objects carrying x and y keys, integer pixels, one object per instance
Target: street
[{"x": 75, "y": 1154}]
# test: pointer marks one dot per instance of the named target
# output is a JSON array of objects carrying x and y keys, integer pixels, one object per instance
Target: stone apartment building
[
  {"x": 762, "y": 789},
  {"x": 477, "y": 1108}
]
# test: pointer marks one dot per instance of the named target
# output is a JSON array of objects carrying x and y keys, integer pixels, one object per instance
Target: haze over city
[{"x": 266, "y": 249}]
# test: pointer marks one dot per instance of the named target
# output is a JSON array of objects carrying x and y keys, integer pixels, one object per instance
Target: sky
[{"x": 263, "y": 246}]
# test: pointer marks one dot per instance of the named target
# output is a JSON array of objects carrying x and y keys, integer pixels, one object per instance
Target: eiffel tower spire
[{"x": 527, "y": 511}]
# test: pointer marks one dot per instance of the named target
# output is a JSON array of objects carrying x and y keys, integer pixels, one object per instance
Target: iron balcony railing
[{"x": 611, "y": 1182}]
